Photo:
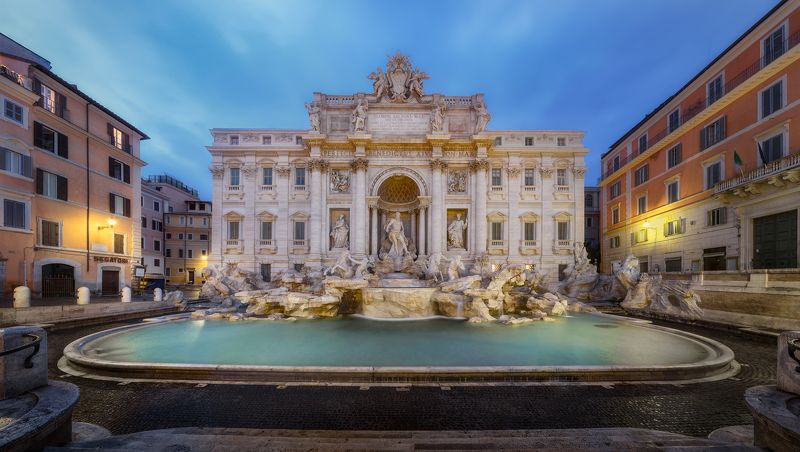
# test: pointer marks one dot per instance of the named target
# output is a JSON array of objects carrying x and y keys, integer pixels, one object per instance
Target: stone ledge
[
  {"x": 776, "y": 427},
  {"x": 49, "y": 422},
  {"x": 54, "y": 314}
]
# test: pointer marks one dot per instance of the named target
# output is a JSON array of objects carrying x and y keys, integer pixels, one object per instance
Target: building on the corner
[
  {"x": 709, "y": 180},
  {"x": 154, "y": 205},
  {"x": 186, "y": 230},
  {"x": 278, "y": 194},
  {"x": 188, "y": 239},
  {"x": 69, "y": 172},
  {"x": 591, "y": 229}
]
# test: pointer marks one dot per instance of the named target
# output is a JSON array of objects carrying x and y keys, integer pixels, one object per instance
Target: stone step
[{"x": 199, "y": 439}]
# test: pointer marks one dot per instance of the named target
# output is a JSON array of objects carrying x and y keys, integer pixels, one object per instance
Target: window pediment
[
  {"x": 267, "y": 216},
  {"x": 496, "y": 216},
  {"x": 299, "y": 216},
  {"x": 529, "y": 216},
  {"x": 563, "y": 216},
  {"x": 233, "y": 215}
]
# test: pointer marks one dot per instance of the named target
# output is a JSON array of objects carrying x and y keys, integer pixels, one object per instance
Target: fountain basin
[{"x": 580, "y": 348}]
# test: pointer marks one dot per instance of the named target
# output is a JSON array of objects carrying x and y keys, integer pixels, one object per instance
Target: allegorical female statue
[
  {"x": 397, "y": 237},
  {"x": 341, "y": 233},
  {"x": 455, "y": 232}
]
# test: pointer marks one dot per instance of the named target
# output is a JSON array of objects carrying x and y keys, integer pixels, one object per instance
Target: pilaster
[{"x": 437, "y": 206}]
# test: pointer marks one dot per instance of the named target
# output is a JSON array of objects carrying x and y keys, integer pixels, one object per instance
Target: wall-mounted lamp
[{"x": 111, "y": 223}]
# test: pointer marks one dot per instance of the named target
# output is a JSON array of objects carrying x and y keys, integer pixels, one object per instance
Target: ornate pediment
[{"x": 401, "y": 82}]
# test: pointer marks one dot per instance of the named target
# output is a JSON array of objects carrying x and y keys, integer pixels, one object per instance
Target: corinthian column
[
  {"x": 437, "y": 206},
  {"x": 514, "y": 233},
  {"x": 359, "y": 207},
  {"x": 315, "y": 223},
  {"x": 480, "y": 167}
]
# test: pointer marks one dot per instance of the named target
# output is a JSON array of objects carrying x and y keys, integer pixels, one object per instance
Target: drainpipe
[{"x": 88, "y": 190}]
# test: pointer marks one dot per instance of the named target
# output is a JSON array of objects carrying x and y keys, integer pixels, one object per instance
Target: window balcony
[
  {"x": 528, "y": 247},
  {"x": 497, "y": 243},
  {"x": 299, "y": 188},
  {"x": 562, "y": 188},
  {"x": 690, "y": 111},
  {"x": 560, "y": 245},
  {"x": 528, "y": 188},
  {"x": 530, "y": 243},
  {"x": 267, "y": 188},
  {"x": 299, "y": 243},
  {"x": 121, "y": 146},
  {"x": 233, "y": 243},
  {"x": 774, "y": 173},
  {"x": 265, "y": 243},
  {"x": 497, "y": 188},
  {"x": 233, "y": 188}
]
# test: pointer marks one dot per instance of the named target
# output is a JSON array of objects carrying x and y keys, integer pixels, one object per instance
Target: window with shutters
[
  {"x": 14, "y": 162},
  {"x": 14, "y": 112},
  {"x": 530, "y": 177},
  {"x": 562, "y": 229},
  {"x": 674, "y": 120},
  {"x": 641, "y": 205},
  {"x": 530, "y": 230},
  {"x": 497, "y": 230},
  {"x": 49, "y": 140},
  {"x": 561, "y": 177},
  {"x": 48, "y": 99},
  {"x": 641, "y": 175},
  {"x": 49, "y": 233},
  {"x": 119, "y": 205},
  {"x": 266, "y": 176},
  {"x": 266, "y": 230},
  {"x": 119, "y": 170},
  {"x": 233, "y": 177},
  {"x": 613, "y": 242},
  {"x": 713, "y": 174},
  {"x": 642, "y": 143},
  {"x": 673, "y": 191},
  {"x": 190, "y": 254},
  {"x": 674, "y": 227},
  {"x": 119, "y": 243},
  {"x": 51, "y": 185},
  {"x": 180, "y": 236},
  {"x": 203, "y": 252},
  {"x": 180, "y": 252},
  {"x": 233, "y": 230},
  {"x": 715, "y": 90},
  {"x": 299, "y": 176},
  {"x": 674, "y": 155},
  {"x": 157, "y": 245},
  {"x": 118, "y": 138},
  {"x": 190, "y": 236},
  {"x": 771, "y": 149},
  {"x": 204, "y": 237},
  {"x": 156, "y": 206},
  {"x": 614, "y": 190},
  {"x": 774, "y": 45},
  {"x": 717, "y": 216},
  {"x": 15, "y": 214},
  {"x": 168, "y": 252},
  {"x": 299, "y": 230},
  {"x": 712, "y": 133},
  {"x": 771, "y": 99},
  {"x": 528, "y": 141},
  {"x": 156, "y": 262},
  {"x": 616, "y": 162},
  {"x": 615, "y": 215},
  {"x": 497, "y": 177},
  {"x": 144, "y": 222}
]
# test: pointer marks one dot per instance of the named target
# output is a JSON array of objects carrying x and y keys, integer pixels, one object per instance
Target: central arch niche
[{"x": 398, "y": 193}]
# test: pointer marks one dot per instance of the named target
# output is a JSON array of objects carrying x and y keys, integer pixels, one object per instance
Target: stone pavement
[
  {"x": 218, "y": 439},
  {"x": 690, "y": 409}
]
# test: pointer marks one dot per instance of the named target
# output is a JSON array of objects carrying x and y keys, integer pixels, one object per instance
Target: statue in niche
[
  {"x": 397, "y": 237},
  {"x": 340, "y": 181},
  {"x": 359, "y": 117},
  {"x": 313, "y": 116},
  {"x": 483, "y": 117},
  {"x": 341, "y": 233},
  {"x": 457, "y": 182},
  {"x": 437, "y": 118},
  {"x": 455, "y": 232}
]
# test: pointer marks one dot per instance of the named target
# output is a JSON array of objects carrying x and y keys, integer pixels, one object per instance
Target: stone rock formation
[
  {"x": 653, "y": 294},
  {"x": 227, "y": 279}
]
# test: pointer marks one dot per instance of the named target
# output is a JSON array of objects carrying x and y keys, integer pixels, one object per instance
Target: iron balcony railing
[
  {"x": 687, "y": 113},
  {"x": 762, "y": 172}
]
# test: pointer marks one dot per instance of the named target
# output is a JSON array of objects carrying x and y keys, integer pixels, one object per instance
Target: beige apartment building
[
  {"x": 69, "y": 170},
  {"x": 188, "y": 235}
]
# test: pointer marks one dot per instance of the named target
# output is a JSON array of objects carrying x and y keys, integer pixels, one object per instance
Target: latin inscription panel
[{"x": 396, "y": 123}]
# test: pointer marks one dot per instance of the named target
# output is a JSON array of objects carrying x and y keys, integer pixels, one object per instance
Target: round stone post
[
  {"x": 126, "y": 294},
  {"x": 84, "y": 295},
  {"x": 22, "y": 297},
  {"x": 158, "y": 295}
]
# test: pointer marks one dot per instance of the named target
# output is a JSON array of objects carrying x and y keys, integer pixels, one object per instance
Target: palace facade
[{"x": 288, "y": 198}]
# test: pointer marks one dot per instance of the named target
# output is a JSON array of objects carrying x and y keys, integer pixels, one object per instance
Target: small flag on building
[
  {"x": 738, "y": 162},
  {"x": 763, "y": 156}
]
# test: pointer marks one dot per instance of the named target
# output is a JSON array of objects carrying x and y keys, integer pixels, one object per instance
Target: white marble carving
[
  {"x": 340, "y": 233},
  {"x": 359, "y": 117},
  {"x": 457, "y": 181},
  {"x": 313, "y": 116},
  {"x": 456, "y": 232},
  {"x": 340, "y": 181}
]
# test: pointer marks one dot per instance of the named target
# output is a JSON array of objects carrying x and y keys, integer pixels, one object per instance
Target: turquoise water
[{"x": 576, "y": 341}]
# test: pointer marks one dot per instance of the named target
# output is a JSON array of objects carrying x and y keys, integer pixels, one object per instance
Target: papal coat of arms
[{"x": 400, "y": 82}]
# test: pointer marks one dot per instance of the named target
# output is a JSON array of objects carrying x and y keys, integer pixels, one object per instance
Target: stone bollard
[
  {"x": 158, "y": 295},
  {"x": 788, "y": 377},
  {"x": 17, "y": 378},
  {"x": 22, "y": 297},
  {"x": 84, "y": 295},
  {"x": 126, "y": 294}
]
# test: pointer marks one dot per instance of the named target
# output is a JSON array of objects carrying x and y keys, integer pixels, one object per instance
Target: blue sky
[{"x": 175, "y": 69}]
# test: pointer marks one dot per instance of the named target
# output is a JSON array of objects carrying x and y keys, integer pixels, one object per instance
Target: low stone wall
[
  {"x": 758, "y": 298},
  {"x": 54, "y": 314}
]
